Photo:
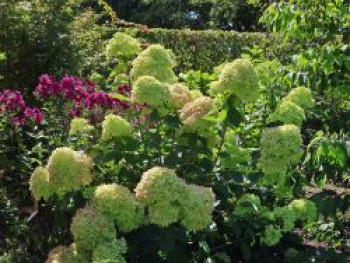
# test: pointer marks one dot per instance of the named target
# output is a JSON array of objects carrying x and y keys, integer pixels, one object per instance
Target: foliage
[
  {"x": 204, "y": 50},
  {"x": 238, "y": 15}
]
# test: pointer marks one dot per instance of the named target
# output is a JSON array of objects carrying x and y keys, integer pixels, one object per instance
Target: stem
[
  {"x": 222, "y": 140},
  {"x": 159, "y": 142}
]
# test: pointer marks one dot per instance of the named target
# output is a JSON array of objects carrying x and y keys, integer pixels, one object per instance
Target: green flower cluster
[
  {"x": 196, "y": 207},
  {"x": 160, "y": 189},
  {"x": 287, "y": 215},
  {"x": 288, "y": 113},
  {"x": 115, "y": 126},
  {"x": 305, "y": 210},
  {"x": 169, "y": 199},
  {"x": 66, "y": 170},
  {"x": 157, "y": 62},
  {"x": 149, "y": 90},
  {"x": 272, "y": 235},
  {"x": 281, "y": 147},
  {"x": 94, "y": 236},
  {"x": 90, "y": 228},
  {"x": 238, "y": 78},
  {"x": 180, "y": 95},
  {"x": 112, "y": 252},
  {"x": 195, "y": 110},
  {"x": 302, "y": 97},
  {"x": 119, "y": 204},
  {"x": 39, "y": 184},
  {"x": 79, "y": 126},
  {"x": 291, "y": 109},
  {"x": 281, "y": 219},
  {"x": 122, "y": 46}
]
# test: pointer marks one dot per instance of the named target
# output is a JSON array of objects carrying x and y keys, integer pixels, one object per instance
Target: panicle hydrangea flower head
[
  {"x": 281, "y": 147},
  {"x": 239, "y": 78},
  {"x": 122, "y": 46},
  {"x": 149, "y": 90},
  {"x": 112, "y": 252},
  {"x": 287, "y": 215},
  {"x": 80, "y": 126},
  {"x": 193, "y": 111},
  {"x": 272, "y": 235},
  {"x": 288, "y": 113},
  {"x": 155, "y": 61},
  {"x": 160, "y": 189},
  {"x": 304, "y": 210},
  {"x": 248, "y": 204},
  {"x": 197, "y": 205},
  {"x": 180, "y": 95},
  {"x": 39, "y": 184},
  {"x": 68, "y": 170},
  {"x": 90, "y": 228},
  {"x": 302, "y": 97},
  {"x": 119, "y": 204},
  {"x": 115, "y": 126}
]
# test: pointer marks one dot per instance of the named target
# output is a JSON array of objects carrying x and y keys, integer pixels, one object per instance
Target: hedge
[{"x": 203, "y": 50}]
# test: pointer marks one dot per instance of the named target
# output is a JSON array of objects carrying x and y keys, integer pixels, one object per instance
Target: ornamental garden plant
[
  {"x": 123, "y": 151},
  {"x": 175, "y": 165}
]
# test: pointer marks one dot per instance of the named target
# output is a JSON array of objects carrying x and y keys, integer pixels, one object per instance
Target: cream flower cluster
[
  {"x": 195, "y": 110},
  {"x": 122, "y": 46},
  {"x": 66, "y": 170},
  {"x": 115, "y": 126},
  {"x": 157, "y": 62},
  {"x": 169, "y": 199},
  {"x": 180, "y": 95},
  {"x": 238, "y": 78},
  {"x": 149, "y": 90},
  {"x": 79, "y": 126},
  {"x": 281, "y": 147},
  {"x": 119, "y": 204}
]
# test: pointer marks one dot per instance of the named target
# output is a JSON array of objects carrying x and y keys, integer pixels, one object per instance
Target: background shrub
[{"x": 204, "y": 50}]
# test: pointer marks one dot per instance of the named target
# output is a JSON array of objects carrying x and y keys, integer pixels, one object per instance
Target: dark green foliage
[{"x": 238, "y": 15}]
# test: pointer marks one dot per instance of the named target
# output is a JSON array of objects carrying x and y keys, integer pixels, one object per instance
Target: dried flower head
[{"x": 193, "y": 111}]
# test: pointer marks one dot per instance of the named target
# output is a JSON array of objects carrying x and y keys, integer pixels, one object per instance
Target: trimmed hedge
[{"x": 204, "y": 50}]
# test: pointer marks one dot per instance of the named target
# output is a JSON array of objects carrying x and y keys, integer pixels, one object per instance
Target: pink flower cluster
[
  {"x": 13, "y": 104},
  {"x": 82, "y": 95}
]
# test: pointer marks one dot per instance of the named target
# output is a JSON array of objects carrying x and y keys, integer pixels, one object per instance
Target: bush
[{"x": 204, "y": 50}]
